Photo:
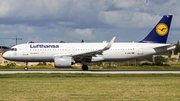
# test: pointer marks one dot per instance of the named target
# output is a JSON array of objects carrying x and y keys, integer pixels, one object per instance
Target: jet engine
[{"x": 62, "y": 61}]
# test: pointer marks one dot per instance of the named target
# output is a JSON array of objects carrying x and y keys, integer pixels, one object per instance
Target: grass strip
[
  {"x": 74, "y": 75},
  {"x": 80, "y": 87}
]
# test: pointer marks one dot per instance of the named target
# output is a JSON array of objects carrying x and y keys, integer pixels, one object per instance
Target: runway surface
[{"x": 94, "y": 71}]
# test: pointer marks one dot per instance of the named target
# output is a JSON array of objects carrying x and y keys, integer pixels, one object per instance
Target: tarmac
[{"x": 96, "y": 71}]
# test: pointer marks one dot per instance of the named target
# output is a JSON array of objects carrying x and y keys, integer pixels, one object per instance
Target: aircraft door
[
  {"x": 140, "y": 49},
  {"x": 71, "y": 50},
  {"x": 25, "y": 50}
]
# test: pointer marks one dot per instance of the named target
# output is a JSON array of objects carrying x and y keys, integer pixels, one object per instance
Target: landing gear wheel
[
  {"x": 25, "y": 68},
  {"x": 85, "y": 67}
]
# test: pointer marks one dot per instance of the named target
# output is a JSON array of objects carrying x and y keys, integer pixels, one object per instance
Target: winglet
[{"x": 109, "y": 44}]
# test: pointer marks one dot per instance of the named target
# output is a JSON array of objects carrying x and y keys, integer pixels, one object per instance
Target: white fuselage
[{"x": 45, "y": 52}]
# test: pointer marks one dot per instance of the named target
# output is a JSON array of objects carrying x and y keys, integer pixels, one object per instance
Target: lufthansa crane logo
[{"x": 162, "y": 29}]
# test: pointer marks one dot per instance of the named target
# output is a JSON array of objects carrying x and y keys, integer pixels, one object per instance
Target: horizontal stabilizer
[{"x": 167, "y": 46}]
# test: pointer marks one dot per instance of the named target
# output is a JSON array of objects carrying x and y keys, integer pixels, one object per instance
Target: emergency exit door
[
  {"x": 140, "y": 49},
  {"x": 25, "y": 50}
]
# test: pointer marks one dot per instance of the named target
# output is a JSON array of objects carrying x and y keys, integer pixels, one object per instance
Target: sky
[{"x": 52, "y": 21}]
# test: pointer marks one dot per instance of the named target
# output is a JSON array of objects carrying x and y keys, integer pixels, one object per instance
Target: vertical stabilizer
[{"x": 159, "y": 33}]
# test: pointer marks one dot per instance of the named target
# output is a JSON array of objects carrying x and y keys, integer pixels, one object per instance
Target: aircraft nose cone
[{"x": 5, "y": 55}]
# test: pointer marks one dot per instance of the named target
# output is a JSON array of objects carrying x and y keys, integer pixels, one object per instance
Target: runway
[{"x": 94, "y": 71}]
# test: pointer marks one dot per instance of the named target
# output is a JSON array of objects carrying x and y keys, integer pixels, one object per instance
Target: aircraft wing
[{"x": 94, "y": 53}]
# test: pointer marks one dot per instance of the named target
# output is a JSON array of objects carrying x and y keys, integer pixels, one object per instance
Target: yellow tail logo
[{"x": 162, "y": 29}]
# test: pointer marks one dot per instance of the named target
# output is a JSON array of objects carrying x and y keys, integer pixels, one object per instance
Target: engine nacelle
[{"x": 62, "y": 61}]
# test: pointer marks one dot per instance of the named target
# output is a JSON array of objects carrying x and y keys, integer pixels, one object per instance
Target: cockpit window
[{"x": 13, "y": 49}]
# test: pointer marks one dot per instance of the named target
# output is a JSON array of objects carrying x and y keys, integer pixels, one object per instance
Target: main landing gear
[
  {"x": 85, "y": 67},
  {"x": 26, "y": 68}
]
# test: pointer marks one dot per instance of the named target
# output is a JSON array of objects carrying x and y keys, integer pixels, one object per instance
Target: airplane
[{"x": 67, "y": 54}]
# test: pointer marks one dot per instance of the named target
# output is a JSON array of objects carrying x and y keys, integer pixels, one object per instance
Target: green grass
[
  {"x": 93, "y": 67},
  {"x": 106, "y": 87}
]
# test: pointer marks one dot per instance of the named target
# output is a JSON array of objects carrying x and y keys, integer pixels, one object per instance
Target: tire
[
  {"x": 25, "y": 68},
  {"x": 85, "y": 67}
]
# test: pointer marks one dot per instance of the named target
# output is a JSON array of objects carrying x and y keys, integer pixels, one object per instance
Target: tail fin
[{"x": 160, "y": 32}]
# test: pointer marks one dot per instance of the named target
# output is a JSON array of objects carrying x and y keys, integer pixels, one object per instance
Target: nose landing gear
[{"x": 26, "y": 68}]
